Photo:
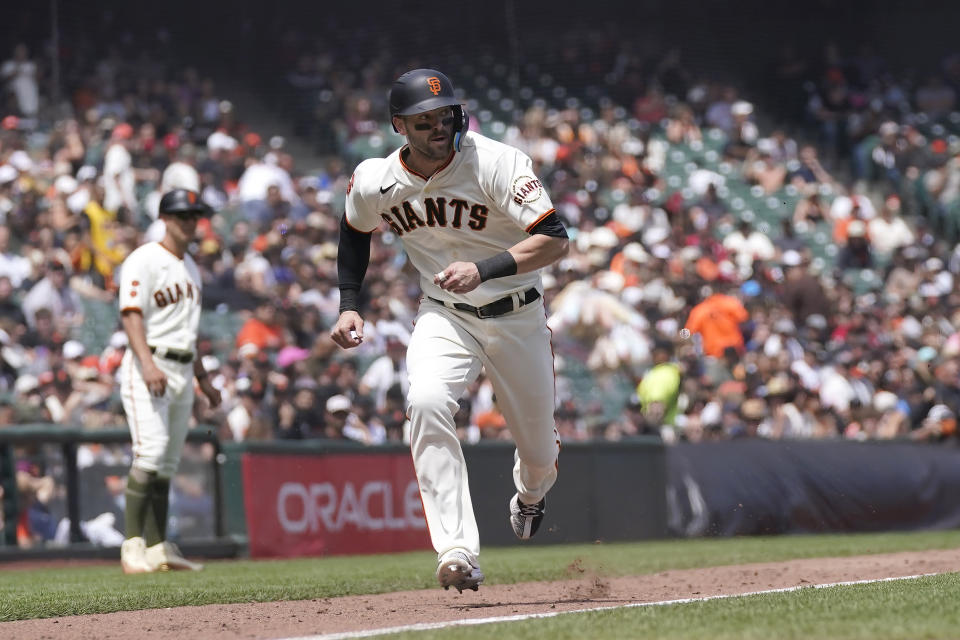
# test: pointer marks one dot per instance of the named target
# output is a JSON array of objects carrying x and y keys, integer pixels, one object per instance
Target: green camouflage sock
[
  {"x": 158, "y": 501},
  {"x": 135, "y": 512}
]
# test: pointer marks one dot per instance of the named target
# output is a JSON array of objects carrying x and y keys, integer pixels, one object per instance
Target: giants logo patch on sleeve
[
  {"x": 350, "y": 184},
  {"x": 526, "y": 189}
]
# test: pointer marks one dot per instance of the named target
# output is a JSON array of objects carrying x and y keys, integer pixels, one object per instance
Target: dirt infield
[{"x": 269, "y": 620}]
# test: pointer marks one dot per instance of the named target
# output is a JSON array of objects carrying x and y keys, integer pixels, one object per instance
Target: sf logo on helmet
[{"x": 434, "y": 83}]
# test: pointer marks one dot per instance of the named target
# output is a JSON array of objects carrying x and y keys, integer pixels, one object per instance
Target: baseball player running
[
  {"x": 477, "y": 225},
  {"x": 160, "y": 308}
]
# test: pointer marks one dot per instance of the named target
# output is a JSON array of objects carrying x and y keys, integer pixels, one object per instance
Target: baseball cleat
[
  {"x": 133, "y": 556},
  {"x": 526, "y": 518},
  {"x": 166, "y": 556},
  {"x": 457, "y": 570}
]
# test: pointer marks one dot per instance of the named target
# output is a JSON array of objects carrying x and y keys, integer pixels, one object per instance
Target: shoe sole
[
  {"x": 172, "y": 566},
  {"x": 459, "y": 575},
  {"x": 127, "y": 569}
]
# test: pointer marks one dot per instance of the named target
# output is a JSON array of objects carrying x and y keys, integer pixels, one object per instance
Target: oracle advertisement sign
[{"x": 299, "y": 505}]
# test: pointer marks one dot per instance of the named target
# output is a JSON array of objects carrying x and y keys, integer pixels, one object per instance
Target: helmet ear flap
[{"x": 461, "y": 124}]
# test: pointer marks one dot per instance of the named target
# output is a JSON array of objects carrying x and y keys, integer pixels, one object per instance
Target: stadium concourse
[{"x": 812, "y": 225}]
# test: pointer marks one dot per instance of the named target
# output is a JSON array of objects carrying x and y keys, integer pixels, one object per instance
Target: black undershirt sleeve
[
  {"x": 353, "y": 257},
  {"x": 550, "y": 226}
]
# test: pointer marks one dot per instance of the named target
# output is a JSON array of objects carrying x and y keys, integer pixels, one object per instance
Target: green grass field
[{"x": 921, "y": 608}]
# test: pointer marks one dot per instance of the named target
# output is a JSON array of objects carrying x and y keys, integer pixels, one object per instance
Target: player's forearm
[
  {"x": 538, "y": 251},
  {"x": 136, "y": 336},
  {"x": 353, "y": 257}
]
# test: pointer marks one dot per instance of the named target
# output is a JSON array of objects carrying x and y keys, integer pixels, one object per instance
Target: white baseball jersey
[
  {"x": 166, "y": 290},
  {"x": 484, "y": 201}
]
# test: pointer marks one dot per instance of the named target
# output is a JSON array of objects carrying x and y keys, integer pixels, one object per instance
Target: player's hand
[
  {"x": 348, "y": 332},
  {"x": 212, "y": 393},
  {"x": 458, "y": 277},
  {"x": 155, "y": 379}
]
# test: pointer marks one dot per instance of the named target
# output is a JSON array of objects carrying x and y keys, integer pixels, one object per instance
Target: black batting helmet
[
  {"x": 183, "y": 201},
  {"x": 420, "y": 90},
  {"x": 423, "y": 90}
]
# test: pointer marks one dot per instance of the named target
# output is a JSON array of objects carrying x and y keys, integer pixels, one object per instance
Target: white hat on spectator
[
  {"x": 21, "y": 161},
  {"x": 661, "y": 251},
  {"x": 219, "y": 141},
  {"x": 791, "y": 258},
  {"x": 86, "y": 172},
  {"x": 610, "y": 281},
  {"x": 603, "y": 237},
  {"x": 889, "y": 128},
  {"x": 73, "y": 349},
  {"x": 655, "y": 234},
  {"x": 26, "y": 383},
  {"x": 701, "y": 179},
  {"x": 338, "y": 402},
  {"x": 77, "y": 200},
  {"x": 884, "y": 400},
  {"x": 842, "y": 206},
  {"x": 119, "y": 340},
  {"x": 65, "y": 185},
  {"x": 635, "y": 252},
  {"x": 741, "y": 108},
  {"x": 315, "y": 220},
  {"x": 248, "y": 350},
  {"x": 856, "y": 229},
  {"x": 210, "y": 363},
  {"x": 928, "y": 290},
  {"x": 7, "y": 174}
]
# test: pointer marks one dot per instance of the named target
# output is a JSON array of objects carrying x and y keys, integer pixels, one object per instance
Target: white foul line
[{"x": 427, "y": 626}]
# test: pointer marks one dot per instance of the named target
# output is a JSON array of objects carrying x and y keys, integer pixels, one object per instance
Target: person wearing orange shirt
[
  {"x": 717, "y": 319},
  {"x": 263, "y": 330}
]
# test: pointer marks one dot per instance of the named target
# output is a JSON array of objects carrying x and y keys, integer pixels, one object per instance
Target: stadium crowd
[{"x": 724, "y": 279}]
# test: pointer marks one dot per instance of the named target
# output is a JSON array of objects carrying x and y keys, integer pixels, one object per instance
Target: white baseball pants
[
  {"x": 445, "y": 354},
  {"x": 158, "y": 426}
]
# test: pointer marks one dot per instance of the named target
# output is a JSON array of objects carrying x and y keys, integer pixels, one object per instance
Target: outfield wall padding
[
  {"x": 301, "y": 499},
  {"x": 744, "y": 487}
]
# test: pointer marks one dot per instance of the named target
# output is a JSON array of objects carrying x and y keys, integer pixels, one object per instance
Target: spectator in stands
[
  {"x": 717, "y": 318},
  {"x": 300, "y": 416},
  {"x": 659, "y": 392},
  {"x": 342, "y": 422},
  {"x": 20, "y": 75},
  {"x": 386, "y": 371},
  {"x": 264, "y": 329},
  {"x": 810, "y": 209},
  {"x": 808, "y": 170},
  {"x": 682, "y": 127},
  {"x": 803, "y": 295},
  {"x": 747, "y": 245},
  {"x": 16, "y": 268},
  {"x": 119, "y": 176},
  {"x": 889, "y": 231},
  {"x": 53, "y": 292},
  {"x": 857, "y": 253},
  {"x": 742, "y": 133},
  {"x": 763, "y": 170}
]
